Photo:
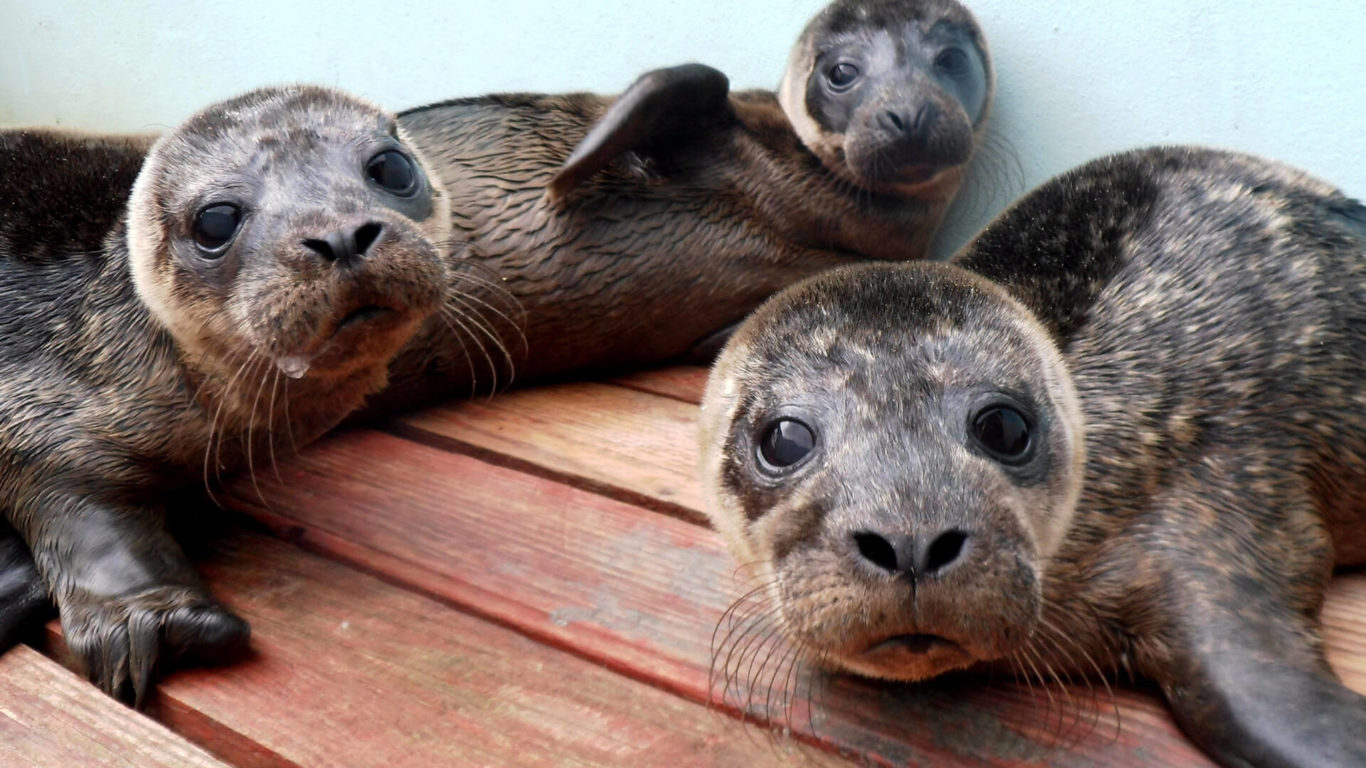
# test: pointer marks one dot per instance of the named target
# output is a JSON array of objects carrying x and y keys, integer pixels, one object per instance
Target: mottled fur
[
  {"x": 1209, "y": 309},
  {"x": 131, "y": 365},
  {"x": 671, "y": 244}
]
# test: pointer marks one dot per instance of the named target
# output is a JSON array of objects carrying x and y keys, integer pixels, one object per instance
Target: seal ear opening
[{"x": 659, "y": 108}]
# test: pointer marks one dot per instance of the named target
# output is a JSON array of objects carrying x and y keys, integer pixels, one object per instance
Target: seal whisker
[
  {"x": 487, "y": 329},
  {"x": 495, "y": 284},
  {"x": 1055, "y": 706},
  {"x": 479, "y": 345},
  {"x": 1057, "y": 636},
  {"x": 270, "y": 424},
  {"x": 215, "y": 446},
  {"x": 469, "y": 361},
  {"x": 251, "y": 425},
  {"x": 213, "y": 422},
  {"x": 516, "y": 326},
  {"x": 289, "y": 422}
]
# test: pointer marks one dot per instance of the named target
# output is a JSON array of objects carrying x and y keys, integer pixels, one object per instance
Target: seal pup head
[
  {"x": 297, "y": 223},
  {"x": 891, "y": 95},
  {"x": 898, "y": 451}
]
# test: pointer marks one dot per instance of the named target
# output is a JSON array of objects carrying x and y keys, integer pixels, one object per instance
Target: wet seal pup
[
  {"x": 1124, "y": 430},
  {"x": 276, "y": 252},
  {"x": 632, "y": 230}
]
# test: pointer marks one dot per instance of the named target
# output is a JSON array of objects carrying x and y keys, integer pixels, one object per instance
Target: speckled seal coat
[
  {"x": 251, "y": 286},
  {"x": 632, "y": 230},
  {"x": 1125, "y": 430}
]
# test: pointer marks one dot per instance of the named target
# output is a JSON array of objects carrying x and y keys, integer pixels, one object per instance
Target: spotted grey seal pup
[
  {"x": 275, "y": 253},
  {"x": 632, "y": 229},
  {"x": 1125, "y": 430}
]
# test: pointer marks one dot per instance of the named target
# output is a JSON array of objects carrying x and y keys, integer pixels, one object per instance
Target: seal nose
[
  {"x": 917, "y": 558},
  {"x": 912, "y": 126},
  {"x": 346, "y": 246}
]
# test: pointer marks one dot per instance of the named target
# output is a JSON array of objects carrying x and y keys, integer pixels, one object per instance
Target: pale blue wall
[{"x": 1077, "y": 79}]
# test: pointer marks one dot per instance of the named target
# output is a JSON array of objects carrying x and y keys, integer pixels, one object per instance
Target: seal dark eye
[
  {"x": 785, "y": 443},
  {"x": 214, "y": 228},
  {"x": 393, "y": 171},
  {"x": 952, "y": 61},
  {"x": 1004, "y": 433},
  {"x": 842, "y": 75}
]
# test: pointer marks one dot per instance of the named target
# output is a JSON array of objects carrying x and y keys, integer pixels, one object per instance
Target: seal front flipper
[
  {"x": 661, "y": 108},
  {"x": 24, "y": 603},
  {"x": 1248, "y": 682},
  {"x": 129, "y": 599}
]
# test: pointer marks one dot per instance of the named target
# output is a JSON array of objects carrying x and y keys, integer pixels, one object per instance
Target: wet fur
[{"x": 1211, "y": 311}]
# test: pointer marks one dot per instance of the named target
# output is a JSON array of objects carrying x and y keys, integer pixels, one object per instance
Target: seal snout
[
  {"x": 346, "y": 246},
  {"x": 916, "y": 557},
  {"x": 911, "y": 123}
]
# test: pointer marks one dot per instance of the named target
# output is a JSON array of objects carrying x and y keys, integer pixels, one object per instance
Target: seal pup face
[
  {"x": 297, "y": 223},
  {"x": 890, "y": 94},
  {"x": 897, "y": 449}
]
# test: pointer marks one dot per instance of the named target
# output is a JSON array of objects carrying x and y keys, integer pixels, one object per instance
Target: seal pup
[
  {"x": 633, "y": 230},
  {"x": 274, "y": 254},
  {"x": 1123, "y": 431}
]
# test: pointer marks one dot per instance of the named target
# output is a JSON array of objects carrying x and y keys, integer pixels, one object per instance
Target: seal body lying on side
[
  {"x": 275, "y": 253},
  {"x": 1124, "y": 430},
  {"x": 630, "y": 230}
]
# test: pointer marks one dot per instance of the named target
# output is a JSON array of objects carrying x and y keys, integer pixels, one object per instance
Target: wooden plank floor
[{"x": 528, "y": 581}]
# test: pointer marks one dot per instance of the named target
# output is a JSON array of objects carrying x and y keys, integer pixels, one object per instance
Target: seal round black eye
[
  {"x": 215, "y": 227},
  {"x": 842, "y": 75},
  {"x": 952, "y": 61},
  {"x": 785, "y": 443},
  {"x": 1003, "y": 432},
  {"x": 393, "y": 171}
]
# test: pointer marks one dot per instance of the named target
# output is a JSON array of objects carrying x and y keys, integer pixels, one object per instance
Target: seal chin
[{"x": 364, "y": 335}]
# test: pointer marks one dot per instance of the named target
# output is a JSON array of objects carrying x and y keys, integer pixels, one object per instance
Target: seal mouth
[
  {"x": 914, "y": 644},
  {"x": 917, "y": 174},
  {"x": 362, "y": 315}
]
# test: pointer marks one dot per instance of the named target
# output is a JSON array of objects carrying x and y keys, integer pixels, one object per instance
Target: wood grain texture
[
  {"x": 350, "y": 671},
  {"x": 50, "y": 718},
  {"x": 628, "y": 444},
  {"x": 641, "y": 592},
  {"x": 1344, "y": 629},
  {"x": 682, "y": 382}
]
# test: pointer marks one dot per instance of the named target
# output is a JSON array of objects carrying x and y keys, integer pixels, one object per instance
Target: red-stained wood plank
[
  {"x": 50, "y": 718},
  {"x": 631, "y": 445},
  {"x": 350, "y": 671},
  {"x": 641, "y": 592},
  {"x": 682, "y": 382},
  {"x": 1344, "y": 629}
]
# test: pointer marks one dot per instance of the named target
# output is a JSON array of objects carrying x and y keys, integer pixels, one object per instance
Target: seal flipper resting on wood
[
  {"x": 636, "y": 230},
  {"x": 1123, "y": 431},
  {"x": 287, "y": 235}
]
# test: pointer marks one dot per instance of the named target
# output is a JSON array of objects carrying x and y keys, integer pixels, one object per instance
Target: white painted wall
[{"x": 1077, "y": 78}]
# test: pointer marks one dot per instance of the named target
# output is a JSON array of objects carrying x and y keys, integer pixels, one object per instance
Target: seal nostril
[
  {"x": 320, "y": 247},
  {"x": 876, "y": 550},
  {"x": 895, "y": 120},
  {"x": 944, "y": 551},
  {"x": 366, "y": 236},
  {"x": 923, "y": 120}
]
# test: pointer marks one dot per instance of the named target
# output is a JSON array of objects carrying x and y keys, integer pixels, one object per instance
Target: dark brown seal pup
[
  {"x": 1124, "y": 431},
  {"x": 633, "y": 229},
  {"x": 276, "y": 251}
]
